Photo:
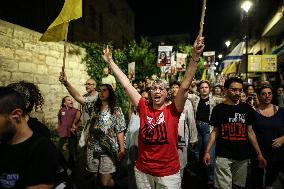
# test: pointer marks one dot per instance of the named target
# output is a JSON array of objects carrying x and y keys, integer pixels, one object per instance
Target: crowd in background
[{"x": 224, "y": 129}]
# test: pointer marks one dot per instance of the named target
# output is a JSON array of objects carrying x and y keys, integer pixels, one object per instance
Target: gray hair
[{"x": 162, "y": 82}]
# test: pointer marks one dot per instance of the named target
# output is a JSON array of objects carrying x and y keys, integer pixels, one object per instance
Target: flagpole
[
  {"x": 65, "y": 48},
  {"x": 202, "y": 18}
]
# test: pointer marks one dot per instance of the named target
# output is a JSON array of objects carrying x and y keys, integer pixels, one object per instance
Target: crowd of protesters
[{"x": 232, "y": 131}]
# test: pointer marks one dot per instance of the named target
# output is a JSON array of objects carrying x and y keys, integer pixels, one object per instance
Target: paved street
[{"x": 83, "y": 180}]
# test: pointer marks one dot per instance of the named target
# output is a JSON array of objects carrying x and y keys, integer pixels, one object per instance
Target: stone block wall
[{"x": 24, "y": 57}]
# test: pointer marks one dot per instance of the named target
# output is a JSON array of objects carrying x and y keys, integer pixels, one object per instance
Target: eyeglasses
[
  {"x": 236, "y": 90},
  {"x": 266, "y": 94},
  {"x": 88, "y": 84},
  {"x": 158, "y": 89}
]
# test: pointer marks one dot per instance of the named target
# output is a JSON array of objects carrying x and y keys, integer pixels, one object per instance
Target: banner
[
  {"x": 262, "y": 63},
  {"x": 164, "y": 55},
  {"x": 209, "y": 58},
  {"x": 57, "y": 31},
  {"x": 131, "y": 71},
  {"x": 180, "y": 63},
  {"x": 209, "y": 64}
]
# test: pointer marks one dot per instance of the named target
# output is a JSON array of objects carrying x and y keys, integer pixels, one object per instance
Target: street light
[
  {"x": 220, "y": 56},
  {"x": 228, "y": 43},
  {"x": 246, "y": 5}
]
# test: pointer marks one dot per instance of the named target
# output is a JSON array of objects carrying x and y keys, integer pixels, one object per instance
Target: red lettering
[{"x": 232, "y": 130}]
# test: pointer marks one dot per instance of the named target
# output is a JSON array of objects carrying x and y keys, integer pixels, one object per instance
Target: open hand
[
  {"x": 277, "y": 143},
  {"x": 107, "y": 55}
]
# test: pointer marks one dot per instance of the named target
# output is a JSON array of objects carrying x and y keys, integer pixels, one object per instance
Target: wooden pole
[
  {"x": 65, "y": 48},
  {"x": 202, "y": 18}
]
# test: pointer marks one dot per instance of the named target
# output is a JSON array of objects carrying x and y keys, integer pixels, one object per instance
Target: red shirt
[
  {"x": 158, "y": 140},
  {"x": 65, "y": 119}
]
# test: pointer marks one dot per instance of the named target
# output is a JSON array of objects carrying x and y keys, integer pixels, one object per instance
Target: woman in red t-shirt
[{"x": 158, "y": 161}]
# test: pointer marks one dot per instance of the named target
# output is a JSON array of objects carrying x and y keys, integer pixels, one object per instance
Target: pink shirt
[{"x": 65, "y": 120}]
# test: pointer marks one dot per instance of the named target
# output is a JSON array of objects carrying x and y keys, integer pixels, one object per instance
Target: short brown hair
[{"x": 201, "y": 82}]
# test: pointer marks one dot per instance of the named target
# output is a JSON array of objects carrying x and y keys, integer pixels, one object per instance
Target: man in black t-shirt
[
  {"x": 27, "y": 160},
  {"x": 232, "y": 131}
]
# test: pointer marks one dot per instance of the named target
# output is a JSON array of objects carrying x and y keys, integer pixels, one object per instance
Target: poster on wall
[
  {"x": 164, "y": 55},
  {"x": 131, "y": 71}
]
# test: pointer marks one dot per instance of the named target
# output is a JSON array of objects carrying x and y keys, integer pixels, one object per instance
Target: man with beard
[
  {"x": 232, "y": 121},
  {"x": 27, "y": 160}
]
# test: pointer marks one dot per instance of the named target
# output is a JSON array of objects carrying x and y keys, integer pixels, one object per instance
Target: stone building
[
  {"x": 102, "y": 20},
  {"x": 24, "y": 57}
]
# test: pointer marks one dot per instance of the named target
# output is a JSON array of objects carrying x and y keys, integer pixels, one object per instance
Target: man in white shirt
[{"x": 108, "y": 78}]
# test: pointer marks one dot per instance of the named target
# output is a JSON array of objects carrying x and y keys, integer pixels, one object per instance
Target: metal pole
[
  {"x": 246, "y": 58},
  {"x": 247, "y": 40}
]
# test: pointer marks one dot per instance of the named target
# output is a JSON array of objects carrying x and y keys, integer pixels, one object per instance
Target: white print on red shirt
[{"x": 154, "y": 131}]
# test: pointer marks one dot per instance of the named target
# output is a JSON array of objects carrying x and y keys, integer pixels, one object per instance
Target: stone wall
[{"x": 24, "y": 57}]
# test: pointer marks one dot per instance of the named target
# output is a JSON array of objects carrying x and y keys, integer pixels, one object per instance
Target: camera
[{"x": 251, "y": 98}]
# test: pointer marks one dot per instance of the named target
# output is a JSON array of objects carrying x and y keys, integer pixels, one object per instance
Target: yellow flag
[
  {"x": 232, "y": 68},
  {"x": 224, "y": 71},
  {"x": 203, "y": 75},
  {"x": 57, "y": 31}
]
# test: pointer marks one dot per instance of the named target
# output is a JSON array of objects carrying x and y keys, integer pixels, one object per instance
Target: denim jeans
[{"x": 203, "y": 138}]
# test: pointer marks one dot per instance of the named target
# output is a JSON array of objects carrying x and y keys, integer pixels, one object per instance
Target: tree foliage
[
  {"x": 142, "y": 53},
  {"x": 144, "y": 56}
]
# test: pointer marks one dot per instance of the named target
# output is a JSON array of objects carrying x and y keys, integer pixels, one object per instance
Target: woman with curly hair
[
  {"x": 105, "y": 144},
  {"x": 35, "y": 101}
]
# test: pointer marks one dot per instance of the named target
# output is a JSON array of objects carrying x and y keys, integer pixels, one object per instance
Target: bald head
[
  {"x": 90, "y": 85},
  {"x": 106, "y": 71}
]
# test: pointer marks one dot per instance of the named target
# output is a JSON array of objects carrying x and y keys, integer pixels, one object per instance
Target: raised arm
[
  {"x": 130, "y": 90},
  {"x": 198, "y": 47},
  {"x": 72, "y": 91}
]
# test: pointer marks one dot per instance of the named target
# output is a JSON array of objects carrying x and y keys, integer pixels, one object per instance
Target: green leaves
[{"x": 141, "y": 52}]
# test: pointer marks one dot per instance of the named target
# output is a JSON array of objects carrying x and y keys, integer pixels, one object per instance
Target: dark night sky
[
  {"x": 159, "y": 17},
  {"x": 153, "y": 17}
]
